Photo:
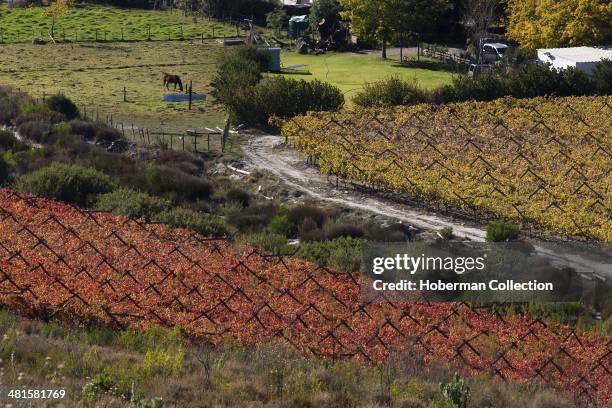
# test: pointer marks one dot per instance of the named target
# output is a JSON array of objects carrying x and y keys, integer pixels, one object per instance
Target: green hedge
[{"x": 69, "y": 183}]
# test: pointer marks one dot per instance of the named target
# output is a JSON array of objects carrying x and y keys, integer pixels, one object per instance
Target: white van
[{"x": 493, "y": 52}]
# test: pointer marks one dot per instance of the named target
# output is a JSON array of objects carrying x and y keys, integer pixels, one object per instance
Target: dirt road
[{"x": 268, "y": 153}]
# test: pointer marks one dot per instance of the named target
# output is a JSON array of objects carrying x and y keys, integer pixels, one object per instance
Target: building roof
[
  {"x": 579, "y": 54},
  {"x": 297, "y": 3}
]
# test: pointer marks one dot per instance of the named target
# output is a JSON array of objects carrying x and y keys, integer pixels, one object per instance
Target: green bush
[
  {"x": 203, "y": 223},
  {"x": 456, "y": 391},
  {"x": 502, "y": 231},
  {"x": 343, "y": 253},
  {"x": 285, "y": 98},
  {"x": 267, "y": 241},
  {"x": 62, "y": 104},
  {"x": 602, "y": 77},
  {"x": 390, "y": 92},
  {"x": 133, "y": 204},
  {"x": 69, "y": 183},
  {"x": 281, "y": 225}
]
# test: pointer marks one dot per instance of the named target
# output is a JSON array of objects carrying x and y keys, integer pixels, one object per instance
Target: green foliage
[
  {"x": 324, "y": 9},
  {"x": 63, "y": 128},
  {"x": 238, "y": 86},
  {"x": 456, "y": 391},
  {"x": 602, "y": 77},
  {"x": 70, "y": 183},
  {"x": 100, "y": 384},
  {"x": 203, "y": 223},
  {"x": 276, "y": 20},
  {"x": 343, "y": 253},
  {"x": 133, "y": 204},
  {"x": 33, "y": 107},
  {"x": 502, "y": 231},
  {"x": 62, "y": 104},
  {"x": 281, "y": 225},
  {"x": 267, "y": 241},
  {"x": 390, "y": 92},
  {"x": 446, "y": 232}
]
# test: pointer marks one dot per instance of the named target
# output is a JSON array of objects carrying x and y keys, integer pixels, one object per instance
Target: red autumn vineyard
[{"x": 58, "y": 261}]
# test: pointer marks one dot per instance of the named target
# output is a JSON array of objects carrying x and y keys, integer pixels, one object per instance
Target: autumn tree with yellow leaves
[
  {"x": 57, "y": 10},
  {"x": 537, "y": 24}
]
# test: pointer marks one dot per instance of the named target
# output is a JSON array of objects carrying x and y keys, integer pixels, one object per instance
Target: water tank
[{"x": 275, "y": 63}]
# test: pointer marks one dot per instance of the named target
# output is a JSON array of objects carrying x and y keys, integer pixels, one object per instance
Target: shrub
[
  {"x": 11, "y": 103},
  {"x": 8, "y": 141},
  {"x": 63, "y": 128},
  {"x": 253, "y": 218},
  {"x": 501, "y": 231},
  {"x": 342, "y": 253},
  {"x": 69, "y": 183},
  {"x": 343, "y": 230},
  {"x": 183, "y": 161},
  {"x": 132, "y": 203},
  {"x": 390, "y": 92},
  {"x": 457, "y": 391},
  {"x": 392, "y": 233},
  {"x": 602, "y": 77},
  {"x": 37, "y": 132},
  {"x": 203, "y": 223},
  {"x": 281, "y": 225},
  {"x": 62, "y": 104},
  {"x": 175, "y": 185},
  {"x": 266, "y": 241},
  {"x": 284, "y": 98},
  {"x": 446, "y": 233},
  {"x": 300, "y": 213},
  {"x": 98, "y": 132},
  {"x": 238, "y": 196}
]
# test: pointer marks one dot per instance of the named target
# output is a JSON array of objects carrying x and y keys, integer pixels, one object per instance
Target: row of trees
[{"x": 530, "y": 23}]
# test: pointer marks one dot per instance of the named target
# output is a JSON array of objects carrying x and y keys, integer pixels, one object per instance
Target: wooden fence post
[
  {"x": 190, "y": 93},
  {"x": 124, "y": 94},
  {"x": 149, "y": 32}
]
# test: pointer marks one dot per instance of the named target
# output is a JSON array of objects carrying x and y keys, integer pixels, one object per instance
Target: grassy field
[
  {"x": 349, "y": 71},
  {"x": 94, "y": 76},
  {"x": 82, "y": 22}
]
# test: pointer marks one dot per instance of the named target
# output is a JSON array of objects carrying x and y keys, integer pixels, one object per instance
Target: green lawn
[
  {"x": 24, "y": 24},
  {"x": 95, "y": 74},
  {"x": 350, "y": 71}
]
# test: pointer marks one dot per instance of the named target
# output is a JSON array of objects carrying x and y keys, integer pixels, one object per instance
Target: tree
[
  {"x": 276, "y": 20},
  {"x": 537, "y": 24},
  {"x": 478, "y": 16},
  {"x": 324, "y": 9},
  {"x": 56, "y": 11},
  {"x": 391, "y": 20}
]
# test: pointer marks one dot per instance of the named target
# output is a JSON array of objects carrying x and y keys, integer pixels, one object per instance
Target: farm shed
[{"x": 582, "y": 58}]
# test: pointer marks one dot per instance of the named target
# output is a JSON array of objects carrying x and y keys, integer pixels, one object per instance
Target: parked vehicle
[
  {"x": 475, "y": 70},
  {"x": 493, "y": 52}
]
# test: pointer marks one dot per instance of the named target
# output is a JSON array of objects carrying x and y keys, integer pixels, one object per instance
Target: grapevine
[
  {"x": 544, "y": 163},
  {"x": 61, "y": 262}
]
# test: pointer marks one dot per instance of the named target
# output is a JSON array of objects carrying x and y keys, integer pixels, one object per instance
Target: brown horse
[{"x": 173, "y": 79}]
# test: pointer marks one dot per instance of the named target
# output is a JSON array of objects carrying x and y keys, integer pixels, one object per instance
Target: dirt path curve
[{"x": 268, "y": 153}]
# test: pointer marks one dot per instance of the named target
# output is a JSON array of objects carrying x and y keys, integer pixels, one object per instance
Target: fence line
[{"x": 100, "y": 34}]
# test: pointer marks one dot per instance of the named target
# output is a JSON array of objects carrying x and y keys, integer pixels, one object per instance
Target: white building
[{"x": 582, "y": 58}]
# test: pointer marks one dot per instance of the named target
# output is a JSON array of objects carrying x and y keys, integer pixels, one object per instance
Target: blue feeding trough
[
  {"x": 182, "y": 97},
  {"x": 298, "y": 66}
]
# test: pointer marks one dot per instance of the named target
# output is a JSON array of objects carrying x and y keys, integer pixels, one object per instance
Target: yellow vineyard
[{"x": 545, "y": 163}]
